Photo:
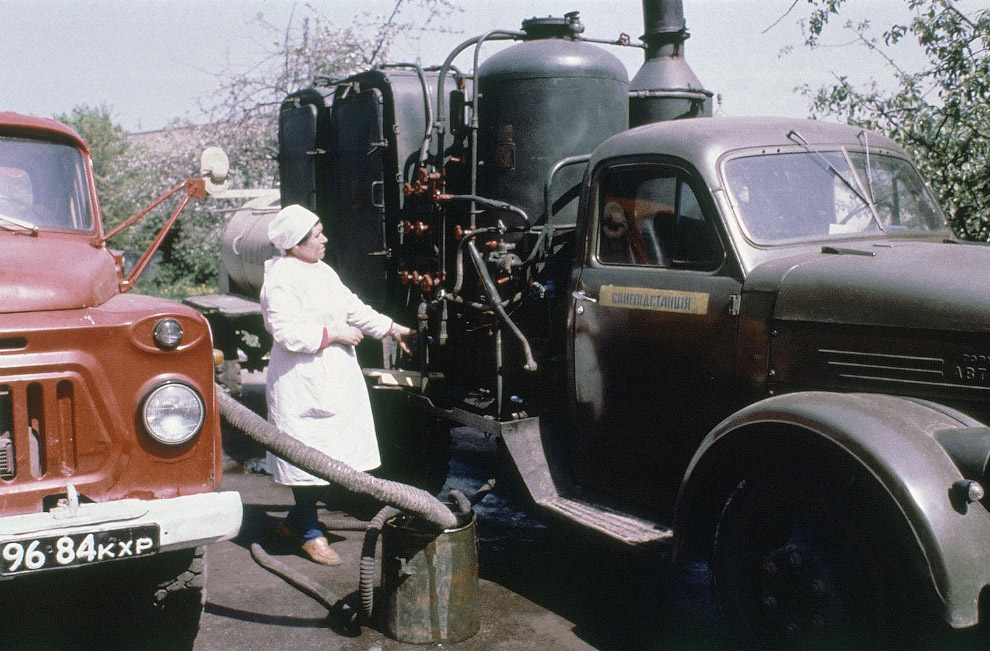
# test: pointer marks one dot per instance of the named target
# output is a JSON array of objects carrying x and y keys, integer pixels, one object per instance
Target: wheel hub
[{"x": 796, "y": 590}]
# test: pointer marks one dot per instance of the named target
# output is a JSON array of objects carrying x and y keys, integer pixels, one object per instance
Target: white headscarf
[{"x": 290, "y": 226}]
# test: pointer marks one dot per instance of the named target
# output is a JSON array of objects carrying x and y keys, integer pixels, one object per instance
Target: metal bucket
[{"x": 430, "y": 580}]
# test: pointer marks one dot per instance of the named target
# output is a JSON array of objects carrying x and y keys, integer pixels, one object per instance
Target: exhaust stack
[{"x": 665, "y": 88}]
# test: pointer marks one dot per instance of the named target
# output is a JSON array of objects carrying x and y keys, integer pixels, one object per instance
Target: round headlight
[
  {"x": 167, "y": 334},
  {"x": 173, "y": 413}
]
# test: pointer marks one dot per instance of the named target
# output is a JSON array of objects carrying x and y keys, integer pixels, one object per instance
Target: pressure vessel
[
  {"x": 246, "y": 246},
  {"x": 542, "y": 100}
]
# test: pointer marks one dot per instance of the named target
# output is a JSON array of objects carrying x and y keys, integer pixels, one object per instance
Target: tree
[
  {"x": 243, "y": 121},
  {"x": 107, "y": 140},
  {"x": 939, "y": 114}
]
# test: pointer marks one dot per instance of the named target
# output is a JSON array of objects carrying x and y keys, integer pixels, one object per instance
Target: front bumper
[{"x": 187, "y": 521}]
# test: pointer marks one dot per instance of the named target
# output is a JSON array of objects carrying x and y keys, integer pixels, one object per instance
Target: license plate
[{"x": 52, "y": 552}]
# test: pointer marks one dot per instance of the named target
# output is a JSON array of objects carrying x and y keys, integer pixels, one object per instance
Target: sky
[{"x": 152, "y": 61}]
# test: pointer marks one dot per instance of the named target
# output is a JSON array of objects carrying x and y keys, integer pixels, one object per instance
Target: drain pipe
[{"x": 410, "y": 499}]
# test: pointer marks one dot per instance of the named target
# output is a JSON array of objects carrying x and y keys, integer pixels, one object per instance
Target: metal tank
[
  {"x": 665, "y": 88},
  {"x": 543, "y": 100},
  {"x": 378, "y": 123},
  {"x": 246, "y": 246}
]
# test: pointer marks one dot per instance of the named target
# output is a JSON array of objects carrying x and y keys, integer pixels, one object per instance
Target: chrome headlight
[
  {"x": 167, "y": 334},
  {"x": 173, "y": 413}
]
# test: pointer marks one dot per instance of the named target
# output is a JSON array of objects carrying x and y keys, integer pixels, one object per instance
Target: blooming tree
[
  {"x": 940, "y": 114},
  {"x": 132, "y": 171}
]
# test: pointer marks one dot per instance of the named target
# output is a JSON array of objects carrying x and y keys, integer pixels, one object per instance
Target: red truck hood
[{"x": 51, "y": 273}]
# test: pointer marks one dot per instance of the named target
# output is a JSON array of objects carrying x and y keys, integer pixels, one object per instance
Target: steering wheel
[
  {"x": 17, "y": 208},
  {"x": 878, "y": 205},
  {"x": 614, "y": 220}
]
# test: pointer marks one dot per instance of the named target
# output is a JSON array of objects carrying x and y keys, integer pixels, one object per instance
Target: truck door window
[{"x": 650, "y": 216}]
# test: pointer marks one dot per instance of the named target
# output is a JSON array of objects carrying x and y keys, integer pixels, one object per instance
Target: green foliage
[
  {"x": 244, "y": 122},
  {"x": 107, "y": 140},
  {"x": 134, "y": 171},
  {"x": 940, "y": 114}
]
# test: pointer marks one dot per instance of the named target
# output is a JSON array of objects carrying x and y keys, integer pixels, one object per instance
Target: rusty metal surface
[{"x": 430, "y": 582}]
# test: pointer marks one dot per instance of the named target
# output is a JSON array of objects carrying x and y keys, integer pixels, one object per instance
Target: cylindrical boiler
[
  {"x": 246, "y": 246},
  {"x": 542, "y": 100}
]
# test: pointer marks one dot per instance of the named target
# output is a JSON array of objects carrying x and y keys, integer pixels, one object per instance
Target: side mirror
[{"x": 214, "y": 166}]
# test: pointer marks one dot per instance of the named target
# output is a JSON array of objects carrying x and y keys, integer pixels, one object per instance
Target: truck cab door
[{"x": 653, "y": 335}]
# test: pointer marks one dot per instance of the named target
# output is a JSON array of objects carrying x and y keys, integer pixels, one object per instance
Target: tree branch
[{"x": 782, "y": 17}]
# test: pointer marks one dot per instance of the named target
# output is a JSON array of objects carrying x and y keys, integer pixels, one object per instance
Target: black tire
[
  {"x": 165, "y": 598},
  {"x": 145, "y": 604},
  {"x": 809, "y": 562},
  {"x": 228, "y": 376}
]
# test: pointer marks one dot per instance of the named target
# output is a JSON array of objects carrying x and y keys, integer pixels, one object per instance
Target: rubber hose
[
  {"x": 366, "y": 580},
  {"x": 407, "y": 498},
  {"x": 294, "y": 578},
  {"x": 483, "y": 492},
  {"x": 300, "y": 581},
  {"x": 344, "y": 524},
  {"x": 462, "y": 503}
]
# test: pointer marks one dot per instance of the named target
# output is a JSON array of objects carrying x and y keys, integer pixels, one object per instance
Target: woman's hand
[
  {"x": 401, "y": 335},
  {"x": 346, "y": 335}
]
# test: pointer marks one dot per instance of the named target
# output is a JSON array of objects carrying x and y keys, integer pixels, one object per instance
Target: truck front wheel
[
  {"x": 165, "y": 595},
  {"x": 812, "y": 562}
]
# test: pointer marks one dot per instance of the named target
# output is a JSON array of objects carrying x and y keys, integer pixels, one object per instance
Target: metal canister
[{"x": 430, "y": 580}]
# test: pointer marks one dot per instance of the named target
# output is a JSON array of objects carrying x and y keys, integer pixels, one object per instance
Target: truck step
[
  {"x": 537, "y": 459},
  {"x": 626, "y": 528}
]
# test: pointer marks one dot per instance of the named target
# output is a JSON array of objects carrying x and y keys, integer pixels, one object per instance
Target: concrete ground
[
  {"x": 543, "y": 585},
  {"x": 250, "y": 608}
]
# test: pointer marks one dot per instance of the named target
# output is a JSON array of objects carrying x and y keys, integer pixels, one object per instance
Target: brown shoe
[{"x": 318, "y": 550}]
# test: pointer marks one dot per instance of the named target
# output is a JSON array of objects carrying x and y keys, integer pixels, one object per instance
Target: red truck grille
[
  {"x": 37, "y": 429},
  {"x": 8, "y": 463}
]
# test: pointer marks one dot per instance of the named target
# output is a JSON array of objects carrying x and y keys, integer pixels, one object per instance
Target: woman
[{"x": 316, "y": 391}]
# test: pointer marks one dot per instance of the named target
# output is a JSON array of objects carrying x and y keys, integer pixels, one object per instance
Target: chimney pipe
[{"x": 665, "y": 88}]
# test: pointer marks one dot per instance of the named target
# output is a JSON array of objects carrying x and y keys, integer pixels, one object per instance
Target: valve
[
  {"x": 417, "y": 228},
  {"x": 424, "y": 183},
  {"x": 425, "y": 281}
]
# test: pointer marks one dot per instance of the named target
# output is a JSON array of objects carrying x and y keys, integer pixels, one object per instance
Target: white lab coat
[{"x": 317, "y": 396}]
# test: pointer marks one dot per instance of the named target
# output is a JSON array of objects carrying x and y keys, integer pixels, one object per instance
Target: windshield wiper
[
  {"x": 856, "y": 188},
  {"x": 869, "y": 171},
  {"x": 18, "y": 225}
]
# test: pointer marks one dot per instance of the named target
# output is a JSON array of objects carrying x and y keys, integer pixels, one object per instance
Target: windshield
[
  {"x": 43, "y": 185},
  {"x": 816, "y": 195}
]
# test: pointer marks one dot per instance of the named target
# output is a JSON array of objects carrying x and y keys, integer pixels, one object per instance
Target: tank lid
[{"x": 553, "y": 26}]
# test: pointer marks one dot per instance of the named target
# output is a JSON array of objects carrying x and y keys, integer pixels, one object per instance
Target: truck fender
[{"x": 892, "y": 439}]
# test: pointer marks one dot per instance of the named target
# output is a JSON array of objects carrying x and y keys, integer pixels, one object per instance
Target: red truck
[{"x": 110, "y": 447}]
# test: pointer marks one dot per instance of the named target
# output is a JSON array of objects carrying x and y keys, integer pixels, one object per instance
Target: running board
[
  {"x": 550, "y": 487},
  {"x": 628, "y": 529}
]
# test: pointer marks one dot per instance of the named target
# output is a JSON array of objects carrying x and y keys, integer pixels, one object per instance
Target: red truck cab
[{"x": 110, "y": 446}]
